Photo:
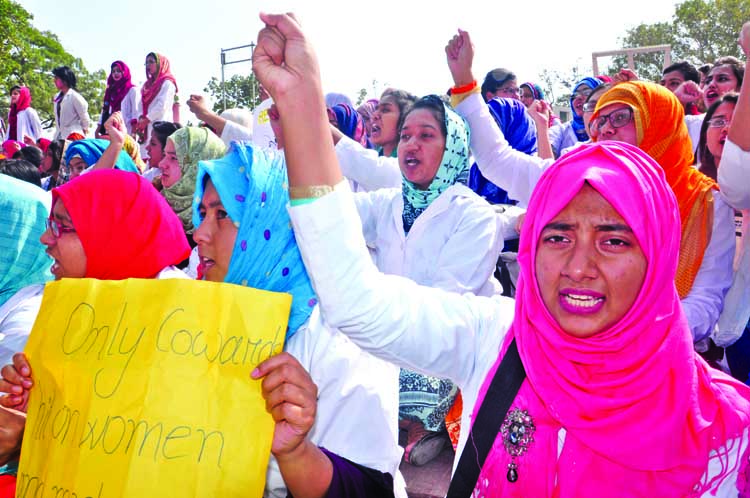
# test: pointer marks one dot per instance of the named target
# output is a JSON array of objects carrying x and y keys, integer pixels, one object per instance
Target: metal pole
[
  {"x": 252, "y": 87},
  {"x": 223, "y": 90}
]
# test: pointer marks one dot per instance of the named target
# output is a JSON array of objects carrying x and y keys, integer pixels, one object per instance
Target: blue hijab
[
  {"x": 23, "y": 262},
  {"x": 520, "y": 132},
  {"x": 91, "y": 150},
  {"x": 252, "y": 186},
  {"x": 578, "y": 127}
]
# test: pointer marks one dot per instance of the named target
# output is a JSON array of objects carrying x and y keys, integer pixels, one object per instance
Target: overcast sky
[{"x": 397, "y": 43}]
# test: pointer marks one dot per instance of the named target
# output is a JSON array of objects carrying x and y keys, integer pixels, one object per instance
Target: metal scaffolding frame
[
  {"x": 667, "y": 49},
  {"x": 224, "y": 63}
]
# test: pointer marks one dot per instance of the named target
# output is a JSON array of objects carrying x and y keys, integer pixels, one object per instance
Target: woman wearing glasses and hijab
[{"x": 644, "y": 115}]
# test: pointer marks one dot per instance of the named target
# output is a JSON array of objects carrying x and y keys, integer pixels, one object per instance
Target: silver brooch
[{"x": 518, "y": 433}]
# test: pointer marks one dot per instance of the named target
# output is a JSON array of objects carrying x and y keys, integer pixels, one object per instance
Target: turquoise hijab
[
  {"x": 91, "y": 150},
  {"x": 252, "y": 186},
  {"x": 23, "y": 262},
  {"x": 454, "y": 166}
]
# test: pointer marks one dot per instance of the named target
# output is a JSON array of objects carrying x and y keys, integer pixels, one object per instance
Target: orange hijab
[{"x": 660, "y": 123}]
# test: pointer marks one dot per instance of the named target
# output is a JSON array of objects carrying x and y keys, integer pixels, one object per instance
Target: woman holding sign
[
  {"x": 596, "y": 320},
  {"x": 90, "y": 234},
  {"x": 335, "y": 406}
]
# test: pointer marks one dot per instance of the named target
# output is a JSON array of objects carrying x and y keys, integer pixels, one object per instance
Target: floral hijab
[
  {"x": 191, "y": 145},
  {"x": 454, "y": 166}
]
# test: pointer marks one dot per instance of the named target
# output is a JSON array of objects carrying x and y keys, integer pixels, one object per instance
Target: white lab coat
[
  {"x": 518, "y": 174},
  {"x": 420, "y": 328}
]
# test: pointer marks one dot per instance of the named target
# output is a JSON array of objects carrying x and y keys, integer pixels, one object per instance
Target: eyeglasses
[
  {"x": 583, "y": 92},
  {"x": 616, "y": 119},
  {"x": 511, "y": 90},
  {"x": 57, "y": 229},
  {"x": 589, "y": 107},
  {"x": 718, "y": 122}
]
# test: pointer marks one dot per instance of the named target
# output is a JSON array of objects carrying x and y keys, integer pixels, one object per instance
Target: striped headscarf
[{"x": 23, "y": 261}]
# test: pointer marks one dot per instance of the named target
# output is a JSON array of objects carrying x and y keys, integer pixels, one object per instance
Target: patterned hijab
[
  {"x": 454, "y": 166},
  {"x": 519, "y": 130},
  {"x": 252, "y": 186},
  {"x": 191, "y": 145},
  {"x": 641, "y": 411},
  {"x": 578, "y": 127},
  {"x": 23, "y": 261},
  {"x": 152, "y": 86},
  {"x": 662, "y": 134}
]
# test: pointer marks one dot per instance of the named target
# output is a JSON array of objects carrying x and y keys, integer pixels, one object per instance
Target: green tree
[
  {"x": 649, "y": 65},
  {"x": 700, "y": 31},
  {"x": 27, "y": 57},
  {"x": 241, "y": 91},
  {"x": 558, "y": 85}
]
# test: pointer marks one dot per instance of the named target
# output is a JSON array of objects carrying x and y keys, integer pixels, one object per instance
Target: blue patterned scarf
[{"x": 252, "y": 186}]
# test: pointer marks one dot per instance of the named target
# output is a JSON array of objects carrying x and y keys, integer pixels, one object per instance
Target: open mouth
[
  {"x": 581, "y": 301},
  {"x": 411, "y": 162},
  {"x": 205, "y": 264}
]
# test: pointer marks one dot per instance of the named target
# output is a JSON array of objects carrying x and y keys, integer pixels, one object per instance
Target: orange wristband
[{"x": 457, "y": 90}]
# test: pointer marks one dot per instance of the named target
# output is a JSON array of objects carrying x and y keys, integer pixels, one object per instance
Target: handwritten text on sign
[{"x": 142, "y": 388}]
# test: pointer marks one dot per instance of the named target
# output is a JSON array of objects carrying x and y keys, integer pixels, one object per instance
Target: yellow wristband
[{"x": 309, "y": 192}]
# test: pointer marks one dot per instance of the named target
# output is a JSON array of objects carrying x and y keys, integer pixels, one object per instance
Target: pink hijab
[{"x": 641, "y": 410}]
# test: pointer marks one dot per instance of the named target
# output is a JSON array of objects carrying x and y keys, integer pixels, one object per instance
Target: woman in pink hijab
[
  {"x": 610, "y": 399},
  {"x": 158, "y": 96}
]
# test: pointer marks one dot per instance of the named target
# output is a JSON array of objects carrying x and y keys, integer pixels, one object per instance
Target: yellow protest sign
[{"x": 143, "y": 389}]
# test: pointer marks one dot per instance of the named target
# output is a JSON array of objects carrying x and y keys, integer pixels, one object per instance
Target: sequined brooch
[{"x": 518, "y": 433}]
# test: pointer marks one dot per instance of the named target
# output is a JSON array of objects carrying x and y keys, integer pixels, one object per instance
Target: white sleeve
[
  {"x": 734, "y": 175},
  {"x": 705, "y": 301},
  {"x": 467, "y": 259},
  {"x": 234, "y": 132},
  {"x": 81, "y": 108},
  {"x": 34, "y": 124},
  {"x": 162, "y": 103},
  {"x": 129, "y": 108},
  {"x": 16, "y": 327},
  {"x": 694, "y": 123},
  {"x": 513, "y": 171},
  {"x": 369, "y": 206},
  {"x": 365, "y": 167},
  {"x": 555, "y": 138},
  {"x": 419, "y": 328}
]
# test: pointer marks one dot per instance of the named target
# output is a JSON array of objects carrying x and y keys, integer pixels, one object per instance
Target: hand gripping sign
[{"x": 142, "y": 388}]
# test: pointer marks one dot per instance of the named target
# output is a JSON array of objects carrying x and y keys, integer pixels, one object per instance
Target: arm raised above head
[{"x": 285, "y": 64}]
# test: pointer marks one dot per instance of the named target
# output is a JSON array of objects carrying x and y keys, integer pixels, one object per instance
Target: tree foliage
[
  {"x": 241, "y": 91},
  {"x": 700, "y": 31},
  {"x": 27, "y": 57}
]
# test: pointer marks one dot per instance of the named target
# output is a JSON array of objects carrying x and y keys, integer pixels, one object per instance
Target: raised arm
[
  {"x": 509, "y": 169},
  {"x": 117, "y": 132},
  {"x": 734, "y": 169},
  {"x": 739, "y": 131},
  {"x": 389, "y": 316}
]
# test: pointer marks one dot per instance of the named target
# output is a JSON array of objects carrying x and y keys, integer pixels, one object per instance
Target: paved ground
[{"x": 431, "y": 480}]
